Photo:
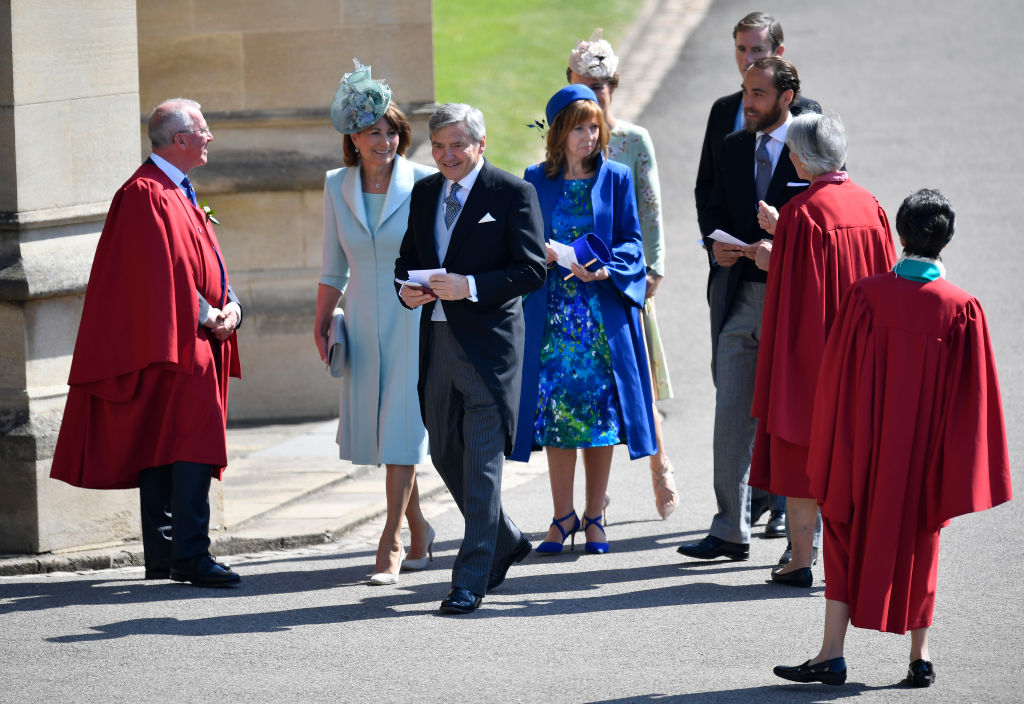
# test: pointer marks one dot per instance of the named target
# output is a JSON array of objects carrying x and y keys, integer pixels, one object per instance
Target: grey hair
[
  {"x": 819, "y": 141},
  {"x": 458, "y": 113},
  {"x": 169, "y": 118}
]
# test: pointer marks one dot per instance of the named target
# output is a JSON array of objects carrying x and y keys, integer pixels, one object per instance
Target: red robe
[
  {"x": 826, "y": 238},
  {"x": 149, "y": 386},
  {"x": 908, "y": 432}
]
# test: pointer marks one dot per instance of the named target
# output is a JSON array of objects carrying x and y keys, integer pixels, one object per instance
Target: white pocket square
[
  {"x": 797, "y": 184},
  {"x": 487, "y": 218}
]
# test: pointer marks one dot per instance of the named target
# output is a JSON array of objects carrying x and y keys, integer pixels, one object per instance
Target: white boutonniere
[{"x": 211, "y": 214}]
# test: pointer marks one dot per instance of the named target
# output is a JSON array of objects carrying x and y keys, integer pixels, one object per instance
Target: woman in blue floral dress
[{"x": 585, "y": 378}]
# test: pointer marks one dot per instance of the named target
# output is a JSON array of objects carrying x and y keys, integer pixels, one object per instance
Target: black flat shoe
[
  {"x": 203, "y": 571},
  {"x": 158, "y": 569},
  {"x": 787, "y": 555},
  {"x": 711, "y": 547},
  {"x": 500, "y": 568},
  {"x": 460, "y": 601},
  {"x": 921, "y": 673},
  {"x": 831, "y": 672},
  {"x": 800, "y": 577}
]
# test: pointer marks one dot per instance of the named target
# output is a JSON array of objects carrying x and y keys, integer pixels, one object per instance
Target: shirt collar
[
  {"x": 173, "y": 172},
  {"x": 915, "y": 268},
  {"x": 779, "y": 133}
]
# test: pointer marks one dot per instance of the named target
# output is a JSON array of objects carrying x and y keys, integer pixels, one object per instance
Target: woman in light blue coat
[{"x": 366, "y": 208}]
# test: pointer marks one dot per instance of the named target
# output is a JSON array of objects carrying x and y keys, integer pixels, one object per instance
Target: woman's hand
[
  {"x": 767, "y": 217},
  {"x": 320, "y": 339},
  {"x": 760, "y": 252},
  {"x": 549, "y": 255},
  {"x": 587, "y": 275}
]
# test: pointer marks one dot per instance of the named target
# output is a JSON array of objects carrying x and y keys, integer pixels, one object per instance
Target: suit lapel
[
  {"x": 402, "y": 179},
  {"x": 426, "y": 215},
  {"x": 778, "y": 192}
]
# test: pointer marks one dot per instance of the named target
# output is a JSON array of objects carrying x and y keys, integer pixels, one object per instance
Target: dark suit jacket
[
  {"x": 506, "y": 258},
  {"x": 720, "y": 123},
  {"x": 732, "y": 209}
]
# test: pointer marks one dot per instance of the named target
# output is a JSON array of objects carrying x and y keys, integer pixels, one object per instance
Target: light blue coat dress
[{"x": 379, "y": 422}]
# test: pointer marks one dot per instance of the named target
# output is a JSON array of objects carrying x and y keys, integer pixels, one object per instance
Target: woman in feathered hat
[{"x": 366, "y": 208}]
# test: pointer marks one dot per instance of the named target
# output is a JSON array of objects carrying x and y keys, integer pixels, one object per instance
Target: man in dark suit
[
  {"x": 755, "y": 36},
  {"x": 753, "y": 167},
  {"x": 484, "y": 227}
]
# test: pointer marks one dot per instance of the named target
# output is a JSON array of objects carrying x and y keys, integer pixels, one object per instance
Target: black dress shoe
[
  {"x": 203, "y": 571},
  {"x": 711, "y": 547},
  {"x": 921, "y": 673},
  {"x": 831, "y": 672},
  {"x": 776, "y": 526},
  {"x": 158, "y": 569},
  {"x": 500, "y": 568},
  {"x": 800, "y": 577},
  {"x": 460, "y": 601},
  {"x": 787, "y": 555}
]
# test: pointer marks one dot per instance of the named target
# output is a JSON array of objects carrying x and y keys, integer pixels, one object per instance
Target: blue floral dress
[{"x": 577, "y": 405}]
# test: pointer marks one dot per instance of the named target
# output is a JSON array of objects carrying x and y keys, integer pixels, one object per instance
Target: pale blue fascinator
[{"x": 360, "y": 100}]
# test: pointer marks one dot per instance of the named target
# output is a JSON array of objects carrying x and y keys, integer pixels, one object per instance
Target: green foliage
[{"x": 507, "y": 57}]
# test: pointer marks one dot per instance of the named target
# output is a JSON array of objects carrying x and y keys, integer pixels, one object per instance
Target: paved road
[{"x": 925, "y": 92}]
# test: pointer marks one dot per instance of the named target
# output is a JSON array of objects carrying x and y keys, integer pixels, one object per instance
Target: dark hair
[
  {"x": 925, "y": 222},
  {"x": 395, "y": 118},
  {"x": 761, "y": 20},
  {"x": 783, "y": 73},
  {"x": 571, "y": 115},
  {"x": 612, "y": 81}
]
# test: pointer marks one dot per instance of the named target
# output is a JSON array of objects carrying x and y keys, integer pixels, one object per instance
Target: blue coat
[{"x": 621, "y": 297}]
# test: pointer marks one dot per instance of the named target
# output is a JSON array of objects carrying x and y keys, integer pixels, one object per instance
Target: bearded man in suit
[
  {"x": 484, "y": 227},
  {"x": 753, "y": 167}
]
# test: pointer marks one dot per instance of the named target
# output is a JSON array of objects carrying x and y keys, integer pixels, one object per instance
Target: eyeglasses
[{"x": 205, "y": 132}]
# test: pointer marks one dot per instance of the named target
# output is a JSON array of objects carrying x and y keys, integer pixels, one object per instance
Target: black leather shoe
[
  {"x": 831, "y": 672},
  {"x": 158, "y": 569},
  {"x": 711, "y": 547},
  {"x": 921, "y": 673},
  {"x": 801, "y": 577},
  {"x": 203, "y": 571},
  {"x": 460, "y": 601},
  {"x": 776, "y": 526},
  {"x": 787, "y": 555},
  {"x": 500, "y": 568}
]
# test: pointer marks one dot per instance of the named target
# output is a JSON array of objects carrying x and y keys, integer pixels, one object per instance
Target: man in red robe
[
  {"x": 147, "y": 405},
  {"x": 907, "y": 433}
]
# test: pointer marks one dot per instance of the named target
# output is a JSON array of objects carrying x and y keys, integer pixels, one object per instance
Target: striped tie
[{"x": 189, "y": 191}]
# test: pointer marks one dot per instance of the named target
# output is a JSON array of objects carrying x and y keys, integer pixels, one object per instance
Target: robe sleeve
[
  {"x": 842, "y": 442},
  {"x": 971, "y": 470},
  {"x": 142, "y": 270},
  {"x": 626, "y": 269}
]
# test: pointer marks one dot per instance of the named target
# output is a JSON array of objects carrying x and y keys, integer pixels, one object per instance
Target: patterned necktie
[
  {"x": 762, "y": 168},
  {"x": 452, "y": 206},
  {"x": 189, "y": 191}
]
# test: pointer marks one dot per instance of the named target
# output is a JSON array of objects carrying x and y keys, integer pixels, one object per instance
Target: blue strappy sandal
[
  {"x": 550, "y": 547},
  {"x": 594, "y": 547}
]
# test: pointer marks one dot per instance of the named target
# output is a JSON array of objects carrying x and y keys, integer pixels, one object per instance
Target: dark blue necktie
[
  {"x": 762, "y": 169},
  {"x": 452, "y": 206},
  {"x": 189, "y": 191}
]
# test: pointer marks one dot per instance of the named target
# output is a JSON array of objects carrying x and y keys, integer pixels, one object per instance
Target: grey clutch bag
[{"x": 337, "y": 344}]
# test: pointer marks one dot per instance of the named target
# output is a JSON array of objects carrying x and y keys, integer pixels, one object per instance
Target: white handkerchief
[
  {"x": 797, "y": 184},
  {"x": 487, "y": 218}
]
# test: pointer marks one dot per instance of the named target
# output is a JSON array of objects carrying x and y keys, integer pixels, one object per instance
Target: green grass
[{"x": 507, "y": 57}]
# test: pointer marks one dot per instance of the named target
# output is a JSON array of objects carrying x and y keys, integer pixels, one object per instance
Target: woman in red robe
[
  {"x": 827, "y": 237},
  {"x": 908, "y": 432}
]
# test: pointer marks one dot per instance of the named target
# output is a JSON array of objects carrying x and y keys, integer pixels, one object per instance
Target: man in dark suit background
[
  {"x": 753, "y": 166},
  {"x": 484, "y": 227},
  {"x": 755, "y": 36}
]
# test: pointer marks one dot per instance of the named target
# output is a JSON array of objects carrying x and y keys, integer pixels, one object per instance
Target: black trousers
[{"x": 175, "y": 503}]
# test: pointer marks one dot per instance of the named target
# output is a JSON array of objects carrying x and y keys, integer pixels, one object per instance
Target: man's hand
[
  {"x": 653, "y": 281},
  {"x": 415, "y": 296},
  {"x": 760, "y": 252},
  {"x": 549, "y": 254},
  {"x": 225, "y": 325},
  {"x": 450, "y": 287},
  {"x": 726, "y": 254}
]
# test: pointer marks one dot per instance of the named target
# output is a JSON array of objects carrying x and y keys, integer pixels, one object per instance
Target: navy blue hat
[{"x": 560, "y": 100}]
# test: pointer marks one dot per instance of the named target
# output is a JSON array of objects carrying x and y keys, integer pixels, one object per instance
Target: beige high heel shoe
[
  {"x": 666, "y": 498},
  {"x": 380, "y": 579},
  {"x": 421, "y": 563}
]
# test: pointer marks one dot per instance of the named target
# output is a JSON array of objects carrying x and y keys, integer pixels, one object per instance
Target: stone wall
[{"x": 265, "y": 72}]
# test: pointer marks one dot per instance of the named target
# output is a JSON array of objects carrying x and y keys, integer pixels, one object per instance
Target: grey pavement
[{"x": 928, "y": 94}]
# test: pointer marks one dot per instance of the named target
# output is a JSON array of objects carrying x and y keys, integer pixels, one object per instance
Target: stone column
[{"x": 69, "y": 136}]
